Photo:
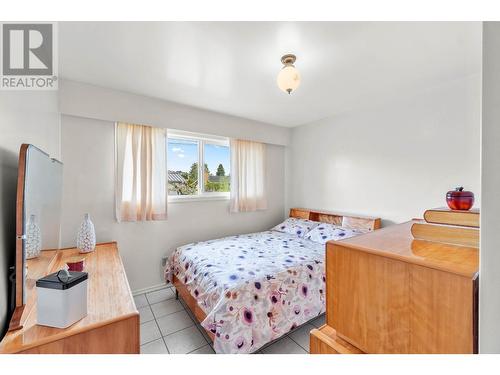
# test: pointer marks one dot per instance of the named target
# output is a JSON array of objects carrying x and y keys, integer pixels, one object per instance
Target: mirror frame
[{"x": 15, "y": 322}]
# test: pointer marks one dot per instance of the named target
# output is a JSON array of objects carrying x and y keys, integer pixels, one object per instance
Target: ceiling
[{"x": 231, "y": 67}]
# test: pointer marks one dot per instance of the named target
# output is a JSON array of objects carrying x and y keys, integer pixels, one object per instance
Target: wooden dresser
[
  {"x": 389, "y": 293},
  {"x": 112, "y": 323}
]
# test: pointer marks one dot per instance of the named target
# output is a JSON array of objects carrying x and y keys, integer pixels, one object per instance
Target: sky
[{"x": 182, "y": 154}]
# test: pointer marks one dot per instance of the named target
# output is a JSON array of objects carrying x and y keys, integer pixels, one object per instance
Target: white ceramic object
[
  {"x": 33, "y": 239},
  {"x": 86, "y": 235}
]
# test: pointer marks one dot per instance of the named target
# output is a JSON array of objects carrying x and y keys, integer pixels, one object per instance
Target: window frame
[{"x": 201, "y": 140}]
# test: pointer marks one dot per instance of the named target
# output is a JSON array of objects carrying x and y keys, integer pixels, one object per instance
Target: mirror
[
  {"x": 42, "y": 204},
  {"x": 42, "y": 197},
  {"x": 38, "y": 218}
]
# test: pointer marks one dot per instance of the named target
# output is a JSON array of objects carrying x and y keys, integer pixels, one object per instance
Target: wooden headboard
[{"x": 345, "y": 220}]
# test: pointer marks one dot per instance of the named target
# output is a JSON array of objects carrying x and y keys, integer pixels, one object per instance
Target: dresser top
[
  {"x": 109, "y": 298},
  {"x": 397, "y": 242}
]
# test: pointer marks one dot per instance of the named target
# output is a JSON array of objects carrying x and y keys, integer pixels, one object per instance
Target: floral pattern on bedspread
[{"x": 253, "y": 288}]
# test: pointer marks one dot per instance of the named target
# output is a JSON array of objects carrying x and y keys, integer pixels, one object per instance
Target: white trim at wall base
[{"x": 153, "y": 288}]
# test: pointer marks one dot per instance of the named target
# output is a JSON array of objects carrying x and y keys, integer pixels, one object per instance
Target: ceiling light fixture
[{"x": 288, "y": 77}]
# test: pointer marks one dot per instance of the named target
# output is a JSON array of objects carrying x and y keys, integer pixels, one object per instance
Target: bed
[{"x": 248, "y": 290}]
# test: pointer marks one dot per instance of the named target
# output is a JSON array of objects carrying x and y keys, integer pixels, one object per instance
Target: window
[
  {"x": 217, "y": 161},
  {"x": 182, "y": 165},
  {"x": 185, "y": 153}
]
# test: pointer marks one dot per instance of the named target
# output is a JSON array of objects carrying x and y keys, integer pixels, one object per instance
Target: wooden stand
[
  {"x": 389, "y": 293},
  {"x": 112, "y": 323}
]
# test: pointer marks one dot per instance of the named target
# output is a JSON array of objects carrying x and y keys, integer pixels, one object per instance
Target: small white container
[{"x": 61, "y": 298}]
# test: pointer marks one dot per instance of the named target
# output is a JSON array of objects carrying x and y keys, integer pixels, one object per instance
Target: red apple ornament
[{"x": 459, "y": 199}]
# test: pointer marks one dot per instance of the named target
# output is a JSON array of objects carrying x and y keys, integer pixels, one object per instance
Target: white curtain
[
  {"x": 141, "y": 173},
  {"x": 248, "y": 176}
]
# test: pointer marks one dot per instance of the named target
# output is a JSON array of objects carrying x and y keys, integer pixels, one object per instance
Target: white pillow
[
  {"x": 325, "y": 232},
  {"x": 298, "y": 227}
]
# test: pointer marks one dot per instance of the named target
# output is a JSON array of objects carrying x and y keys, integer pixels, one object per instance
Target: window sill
[{"x": 197, "y": 198}]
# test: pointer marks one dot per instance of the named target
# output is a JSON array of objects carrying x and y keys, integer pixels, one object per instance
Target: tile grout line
[
  {"x": 156, "y": 323},
  {"x": 152, "y": 312},
  {"x": 291, "y": 338},
  {"x": 163, "y": 316},
  {"x": 171, "y": 333},
  {"x": 149, "y": 342},
  {"x": 163, "y": 337},
  {"x": 158, "y": 326},
  {"x": 164, "y": 343},
  {"x": 199, "y": 327},
  {"x": 198, "y": 348},
  {"x": 196, "y": 323},
  {"x": 182, "y": 329},
  {"x": 154, "y": 318},
  {"x": 147, "y": 299},
  {"x": 201, "y": 333}
]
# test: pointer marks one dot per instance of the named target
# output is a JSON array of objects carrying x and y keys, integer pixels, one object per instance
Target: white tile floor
[{"x": 168, "y": 326}]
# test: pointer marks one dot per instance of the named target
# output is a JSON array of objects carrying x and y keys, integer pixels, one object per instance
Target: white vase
[
  {"x": 33, "y": 238},
  {"x": 86, "y": 236}
]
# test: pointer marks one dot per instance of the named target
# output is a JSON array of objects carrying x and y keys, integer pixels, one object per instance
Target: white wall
[
  {"x": 489, "y": 289},
  {"x": 88, "y": 155},
  {"x": 30, "y": 117},
  {"x": 25, "y": 117},
  {"x": 392, "y": 161},
  {"x": 85, "y": 100},
  {"x": 87, "y": 142}
]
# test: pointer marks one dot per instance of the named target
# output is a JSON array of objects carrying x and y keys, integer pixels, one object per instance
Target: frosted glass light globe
[{"x": 288, "y": 79}]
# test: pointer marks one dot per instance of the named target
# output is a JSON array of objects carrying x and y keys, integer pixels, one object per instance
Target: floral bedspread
[{"x": 254, "y": 287}]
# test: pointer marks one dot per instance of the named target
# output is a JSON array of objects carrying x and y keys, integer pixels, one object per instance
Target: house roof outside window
[{"x": 175, "y": 177}]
